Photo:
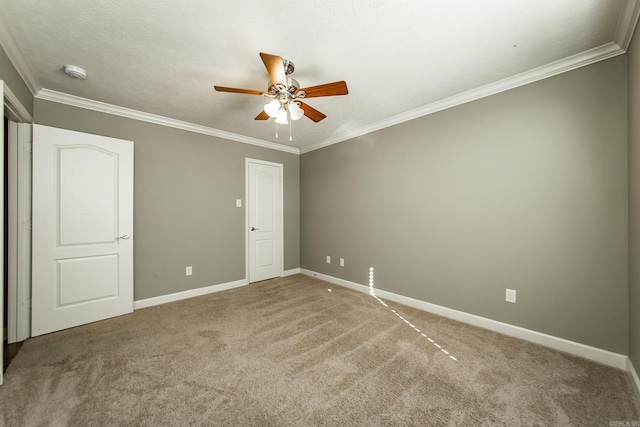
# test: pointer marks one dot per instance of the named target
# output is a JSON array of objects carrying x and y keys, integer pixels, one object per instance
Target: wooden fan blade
[
  {"x": 235, "y": 90},
  {"x": 312, "y": 113},
  {"x": 275, "y": 68},
  {"x": 329, "y": 89},
  {"x": 262, "y": 116}
]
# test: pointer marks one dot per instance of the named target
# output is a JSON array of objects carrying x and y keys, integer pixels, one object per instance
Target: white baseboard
[
  {"x": 606, "y": 357},
  {"x": 177, "y": 296},
  {"x": 291, "y": 272}
]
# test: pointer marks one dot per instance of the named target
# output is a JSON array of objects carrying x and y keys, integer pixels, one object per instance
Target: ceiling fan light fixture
[
  {"x": 295, "y": 111},
  {"x": 281, "y": 118},
  {"x": 286, "y": 94},
  {"x": 272, "y": 108}
]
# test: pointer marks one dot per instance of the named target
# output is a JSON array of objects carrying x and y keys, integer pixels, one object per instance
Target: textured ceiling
[{"x": 401, "y": 59}]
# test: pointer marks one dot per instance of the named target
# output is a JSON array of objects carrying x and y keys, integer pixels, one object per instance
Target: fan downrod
[{"x": 289, "y": 68}]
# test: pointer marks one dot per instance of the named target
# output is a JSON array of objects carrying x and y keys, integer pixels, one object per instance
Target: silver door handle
[
  {"x": 124, "y": 236},
  {"x": 253, "y": 228}
]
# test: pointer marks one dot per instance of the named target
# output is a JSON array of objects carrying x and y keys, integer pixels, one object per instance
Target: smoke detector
[{"x": 75, "y": 71}]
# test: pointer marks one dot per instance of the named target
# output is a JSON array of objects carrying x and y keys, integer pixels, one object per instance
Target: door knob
[
  {"x": 253, "y": 229},
  {"x": 124, "y": 236}
]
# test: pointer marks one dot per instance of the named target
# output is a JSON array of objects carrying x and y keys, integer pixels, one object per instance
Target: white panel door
[
  {"x": 265, "y": 220},
  {"x": 82, "y": 262}
]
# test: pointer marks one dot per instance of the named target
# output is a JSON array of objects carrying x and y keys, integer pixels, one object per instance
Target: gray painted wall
[
  {"x": 11, "y": 78},
  {"x": 525, "y": 190},
  {"x": 634, "y": 200},
  {"x": 185, "y": 189}
]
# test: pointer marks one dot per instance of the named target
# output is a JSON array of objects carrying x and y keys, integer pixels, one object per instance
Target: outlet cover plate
[{"x": 510, "y": 296}]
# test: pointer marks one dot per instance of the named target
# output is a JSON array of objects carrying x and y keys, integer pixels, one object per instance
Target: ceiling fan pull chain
[
  {"x": 276, "y": 130},
  {"x": 290, "y": 138}
]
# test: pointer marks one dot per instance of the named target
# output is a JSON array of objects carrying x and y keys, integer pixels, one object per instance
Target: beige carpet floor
[{"x": 299, "y": 351}]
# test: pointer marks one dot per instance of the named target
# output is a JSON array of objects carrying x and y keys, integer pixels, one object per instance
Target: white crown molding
[
  {"x": 15, "y": 108},
  {"x": 582, "y": 59},
  {"x": 627, "y": 24},
  {"x": 102, "y": 107},
  {"x": 8, "y": 44},
  {"x": 606, "y": 357}
]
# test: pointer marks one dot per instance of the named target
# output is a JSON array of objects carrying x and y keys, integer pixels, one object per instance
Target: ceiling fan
[{"x": 287, "y": 94}]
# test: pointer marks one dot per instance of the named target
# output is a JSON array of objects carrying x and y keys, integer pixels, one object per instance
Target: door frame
[
  {"x": 19, "y": 218},
  {"x": 280, "y": 167},
  {"x": 14, "y": 110}
]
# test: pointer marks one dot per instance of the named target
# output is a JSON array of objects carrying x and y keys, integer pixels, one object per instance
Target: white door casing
[
  {"x": 13, "y": 110},
  {"x": 1, "y": 216},
  {"x": 19, "y": 232},
  {"x": 264, "y": 220},
  {"x": 82, "y": 260},
  {"x": 19, "y": 221}
]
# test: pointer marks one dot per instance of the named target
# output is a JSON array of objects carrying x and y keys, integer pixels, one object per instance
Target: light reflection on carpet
[{"x": 414, "y": 327}]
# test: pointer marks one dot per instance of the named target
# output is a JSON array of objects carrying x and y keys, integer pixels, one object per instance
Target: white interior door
[
  {"x": 82, "y": 262},
  {"x": 264, "y": 209}
]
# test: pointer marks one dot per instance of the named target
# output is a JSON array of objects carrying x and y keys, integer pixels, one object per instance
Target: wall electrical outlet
[
  {"x": 341, "y": 262},
  {"x": 510, "y": 296},
  {"x": 328, "y": 259},
  {"x": 189, "y": 271}
]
